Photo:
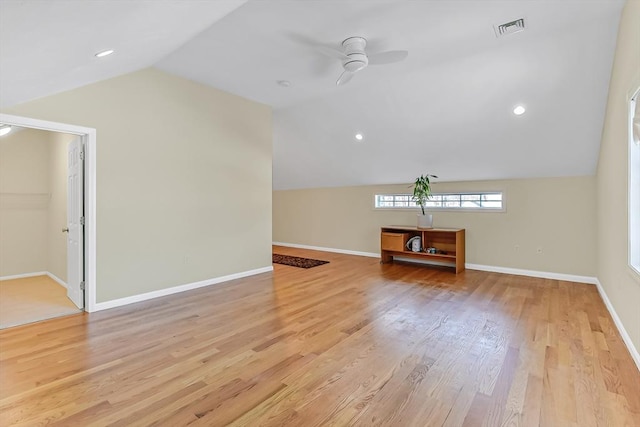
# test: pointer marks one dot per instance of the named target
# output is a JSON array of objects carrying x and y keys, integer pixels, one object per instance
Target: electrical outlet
[
  {"x": 516, "y": 248},
  {"x": 186, "y": 259}
]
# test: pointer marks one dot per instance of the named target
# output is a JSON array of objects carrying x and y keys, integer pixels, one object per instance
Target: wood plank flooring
[
  {"x": 32, "y": 299},
  {"x": 351, "y": 342}
]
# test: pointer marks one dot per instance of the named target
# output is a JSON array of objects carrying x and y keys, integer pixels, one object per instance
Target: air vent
[{"x": 509, "y": 27}]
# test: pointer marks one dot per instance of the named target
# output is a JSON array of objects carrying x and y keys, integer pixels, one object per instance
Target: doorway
[
  {"x": 81, "y": 182},
  {"x": 41, "y": 264}
]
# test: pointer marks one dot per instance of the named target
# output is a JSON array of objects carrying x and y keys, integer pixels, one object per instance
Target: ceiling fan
[{"x": 354, "y": 58}]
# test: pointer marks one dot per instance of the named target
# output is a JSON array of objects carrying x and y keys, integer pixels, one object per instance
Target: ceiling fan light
[
  {"x": 354, "y": 57},
  {"x": 354, "y": 65},
  {"x": 519, "y": 110}
]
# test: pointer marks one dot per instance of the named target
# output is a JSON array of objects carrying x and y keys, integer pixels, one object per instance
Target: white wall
[
  {"x": 183, "y": 179},
  {"x": 24, "y": 201},
  {"x": 620, "y": 284},
  {"x": 555, "y": 214}
]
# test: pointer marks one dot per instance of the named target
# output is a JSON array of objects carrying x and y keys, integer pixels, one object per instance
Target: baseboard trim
[
  {"x": 57, "y": 279},
  {"x": 519, "y": 272},
  {"x": 176, "y": 289},
  {"x": 533, "y": 273},
  {"x": 635, "y": 355},
  {"x": 490, "y": 268},
  {"x": 335, "y": 250},
  {"x": 24, "y": 275},
  {"x": 37, "y": 273}
]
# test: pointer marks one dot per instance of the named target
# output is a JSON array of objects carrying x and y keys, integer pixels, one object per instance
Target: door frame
[{"x": 89, "y": 139}]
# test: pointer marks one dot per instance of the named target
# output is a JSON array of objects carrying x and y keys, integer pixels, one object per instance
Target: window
[
  {"x": 485, "y": 201},
  {"x": 634, "y": 182}
]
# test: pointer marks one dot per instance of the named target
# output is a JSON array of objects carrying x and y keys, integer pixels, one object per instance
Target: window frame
[
  {"x": 448, "y": 208},
  {"x": 633, "y": 189}
]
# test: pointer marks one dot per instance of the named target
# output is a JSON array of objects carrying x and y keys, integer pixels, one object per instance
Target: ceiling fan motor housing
[{"x": 357, "y": 58}]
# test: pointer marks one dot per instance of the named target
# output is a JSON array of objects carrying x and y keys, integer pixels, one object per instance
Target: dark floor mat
[{"x": 295, "y": 261}]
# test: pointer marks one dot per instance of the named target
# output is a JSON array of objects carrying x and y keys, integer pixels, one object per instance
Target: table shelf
[{"x": 451, "y": 241}]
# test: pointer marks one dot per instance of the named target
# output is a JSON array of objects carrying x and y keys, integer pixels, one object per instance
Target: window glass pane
[
  {"x": 492, "y": 204},
  {"x": 461, "y": 201},
  {"x": 471, "y": 204},
  {"x": 492, "y": 197}
]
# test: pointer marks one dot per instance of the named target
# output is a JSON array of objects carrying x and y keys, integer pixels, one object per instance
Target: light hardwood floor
[
  {"x": 32, "y": 299},
  {"x": 351, "y": 342}
]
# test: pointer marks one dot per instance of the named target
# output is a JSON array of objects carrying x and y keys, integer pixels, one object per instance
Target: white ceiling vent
[{"x": 509, "y": 27}]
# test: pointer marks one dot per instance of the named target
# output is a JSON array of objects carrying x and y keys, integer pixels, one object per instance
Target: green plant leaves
[{"x": 422, "y": 190}]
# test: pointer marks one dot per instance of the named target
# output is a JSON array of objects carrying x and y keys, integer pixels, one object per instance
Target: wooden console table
[{"x": 449, "y": 243}]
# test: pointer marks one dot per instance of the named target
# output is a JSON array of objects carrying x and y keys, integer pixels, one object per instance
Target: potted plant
[{"x": 422, "y": 193}]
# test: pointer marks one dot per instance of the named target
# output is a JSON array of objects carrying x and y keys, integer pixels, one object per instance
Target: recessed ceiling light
[
  {"x": 519, "y": 110},
  {"x": 283, "y": 83},
  {"x": 104, "y": 53},
  {"x": 5, "y": 129},
  {"x": 359, "y": 136}
]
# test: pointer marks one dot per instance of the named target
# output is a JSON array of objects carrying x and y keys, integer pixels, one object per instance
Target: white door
[{"x": 75, "y": 220}]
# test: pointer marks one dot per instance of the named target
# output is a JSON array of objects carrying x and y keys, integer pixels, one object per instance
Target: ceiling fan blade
[
  {"x": 325, "y": 49},
  {"x": 387, "y": 57},
  {"x": 344, "y": 78},
  {"x": 332, "y": 53}
]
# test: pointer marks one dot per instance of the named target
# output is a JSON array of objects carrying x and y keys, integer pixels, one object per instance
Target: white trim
[
  {"x": 176, "y": 289},
  {"x": 91, "y": 224},
  {"x": 490, "y": 268},
  {"x": 533, "y": 273},
  {"x": 57, "y": 279},
  {"x": 633, "y": 181},
  {"x": 90, "y": 197},
  {"x": 320, "y": 248},
  {"x": 24, "y": 275},
  {"x": 616, "y": 320},
  {"x": 36, "y": 274},
  {"x": 516, "y": 271},
  {"x": 43, "y": 124},
  {"x": 434, "y": 209}
]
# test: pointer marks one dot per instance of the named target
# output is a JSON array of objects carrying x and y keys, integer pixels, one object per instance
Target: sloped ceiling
[
  {"x": 48, "y": 46},
  {"x": 447, "y": 109}
]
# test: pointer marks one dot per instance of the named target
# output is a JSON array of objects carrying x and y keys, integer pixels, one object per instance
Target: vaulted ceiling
[{"x": 447, "y": 109}]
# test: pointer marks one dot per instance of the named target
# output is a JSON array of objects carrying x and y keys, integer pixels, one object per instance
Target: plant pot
[{"x": 425, "y": 221}]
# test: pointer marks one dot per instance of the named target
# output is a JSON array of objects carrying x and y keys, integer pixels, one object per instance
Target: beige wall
[
  {"x": 57, "y": 211},
  {"x": 183, "y": 179},
  {"x": 557, "y": 215},
  {"x": 619, "y": 282},
  {"x": 33, "y": 202},
  {"x": 24, "y": 200}
]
